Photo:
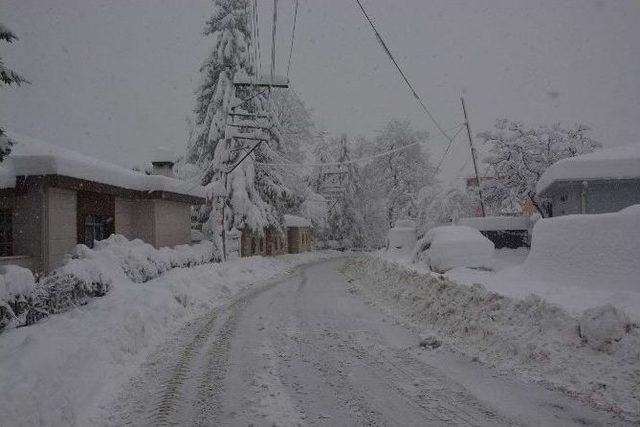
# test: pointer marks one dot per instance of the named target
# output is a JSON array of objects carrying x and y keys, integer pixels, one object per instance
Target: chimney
[{"x": 163, "y": 161}]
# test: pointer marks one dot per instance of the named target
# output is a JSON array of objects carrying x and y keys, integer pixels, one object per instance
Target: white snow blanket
[
  {"x": 59, "y": 371},
  {"x": 616, "y": 163},
  {"x": 402, "y": 243},
  {"x": 588, "y": 251},
  {"x": 449, "y": 246},
  {"x": 31, "y": 157}
]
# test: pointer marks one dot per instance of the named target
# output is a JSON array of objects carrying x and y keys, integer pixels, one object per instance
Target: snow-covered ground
[
  {"x": 539, "y": 341},
  {"x": 57, "y": 372}
]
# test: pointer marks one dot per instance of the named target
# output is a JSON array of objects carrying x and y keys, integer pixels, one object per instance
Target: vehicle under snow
[{"x": 449, "y": 246}]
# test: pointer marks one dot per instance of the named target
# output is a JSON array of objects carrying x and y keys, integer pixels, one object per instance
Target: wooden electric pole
[{"x": 473, "y": 154}]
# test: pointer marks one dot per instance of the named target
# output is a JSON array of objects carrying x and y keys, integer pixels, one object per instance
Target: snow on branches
[{"x": 519, "y": 155}]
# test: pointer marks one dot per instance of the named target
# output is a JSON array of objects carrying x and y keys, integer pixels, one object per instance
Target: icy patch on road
[{"x": 538, "y": 340}]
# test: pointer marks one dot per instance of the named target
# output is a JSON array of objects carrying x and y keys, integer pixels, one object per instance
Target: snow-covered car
[{"x": 449, "y": 246}]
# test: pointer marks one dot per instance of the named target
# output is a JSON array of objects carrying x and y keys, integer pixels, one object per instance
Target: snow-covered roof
[
  {"x": 296, "y": 221},
  {"x": 496, "y": 223},
  {"x": 32, "y": 157},
  {"x": 612, "y": 163}
]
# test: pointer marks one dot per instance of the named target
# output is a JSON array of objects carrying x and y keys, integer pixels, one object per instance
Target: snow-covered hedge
[{"x": 89, "y": 273}]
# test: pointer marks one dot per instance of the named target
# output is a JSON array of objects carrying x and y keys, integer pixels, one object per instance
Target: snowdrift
[
  {"x": 402, "y": 243},
  {"x": 589, "y": 251}
]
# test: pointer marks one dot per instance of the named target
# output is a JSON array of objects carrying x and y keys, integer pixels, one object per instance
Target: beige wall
[
  {"x": 172, "y": 223},
  {"x": 61, "y": 225}
]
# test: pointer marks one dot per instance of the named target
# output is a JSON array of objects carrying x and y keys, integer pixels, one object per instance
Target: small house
[
  {"x": 268, "y": 243},
  {"x": 52, "y": 199},
  {"x": 299, "y": 234},
  {"x": 599, "y": 182}
]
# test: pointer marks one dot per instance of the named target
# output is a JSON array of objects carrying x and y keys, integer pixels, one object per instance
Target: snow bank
[
  {"x": 61, "y": 370},
  {"x": 14, "y": 281},
  {"x": 296, "y": 221},
  {"x": 588, "y": 251},
  {"x": 449, "y": 246},
  {"x": 616, "y": 163},
  {"x": 537, "y": 340},
  {"x": 32, "y": 157}
]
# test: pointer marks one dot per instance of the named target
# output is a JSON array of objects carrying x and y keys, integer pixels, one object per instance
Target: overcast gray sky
[{"x": 114, "y": 79}]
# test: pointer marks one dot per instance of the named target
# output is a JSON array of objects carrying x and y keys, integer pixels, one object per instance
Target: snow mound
[
  {"x": 449, "y": 246},
  {"x": 588, "y": 251},
  {"x": 613, "y": 163},
  {"x": 601, "y": 326}
]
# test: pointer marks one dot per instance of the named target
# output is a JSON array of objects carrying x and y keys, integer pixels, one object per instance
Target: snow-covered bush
[
  {"x": 16, "y": 286},
  {"x": 89, "y": 273}
]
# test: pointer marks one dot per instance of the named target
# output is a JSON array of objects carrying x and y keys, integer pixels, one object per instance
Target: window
[
  {"x": 97, "y": 227},
  {"x": 6, "y": 232},
  {"x": 564, "y": 197}
]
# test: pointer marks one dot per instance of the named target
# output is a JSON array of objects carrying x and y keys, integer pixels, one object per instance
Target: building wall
[
  {"x": 299, "y": 239},
  {"x": 28, "y": 224},
  {"x": 172, "y": 223},
  {"x": 61, "y": 226},
  {"x": 135, "y": 219},
  {"x": 601, "y": 196}
]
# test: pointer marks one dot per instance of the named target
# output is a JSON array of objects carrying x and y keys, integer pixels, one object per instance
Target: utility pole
[{"x": 473, "y": 154}]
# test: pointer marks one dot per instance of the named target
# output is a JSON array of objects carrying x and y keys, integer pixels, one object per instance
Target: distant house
[
  {"x": 270, "y": 242},
  {"x": 599, "y": 182},
  {"x": 299, "y": 234},
  {"x": 52, "y": 199}
]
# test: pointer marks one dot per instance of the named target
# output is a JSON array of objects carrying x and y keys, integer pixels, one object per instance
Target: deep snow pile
[
  {"x": 59, "y": 371},
  {"x": 401, "y": 241},
  {"x": 588, "y": 251},
  {"x": 541, "y": 341}
]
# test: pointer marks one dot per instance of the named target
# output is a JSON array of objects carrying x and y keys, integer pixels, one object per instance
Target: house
[
  {"x": 599, "y": 182},
  {"x": 52, "y": 199},
  {"x": 268, "y": 243},
  {"x": 299, "y": 234}
]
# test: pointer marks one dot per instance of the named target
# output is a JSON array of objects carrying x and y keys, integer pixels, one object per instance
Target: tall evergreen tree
[
  {"x": 253, "y": 194},
  {"x": 7, "y": 77}
]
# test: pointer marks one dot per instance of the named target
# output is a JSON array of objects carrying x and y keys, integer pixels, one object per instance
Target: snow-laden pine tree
[
  {"x": 519, "y": 155},
  {"x": 253, "y": 196},
  {"x": 7, "y": 77}
]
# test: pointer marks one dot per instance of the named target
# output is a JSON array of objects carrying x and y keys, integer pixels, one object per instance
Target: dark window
[
  {"x": 6, "y": 232},
  {"x": 97, "y": 227}
]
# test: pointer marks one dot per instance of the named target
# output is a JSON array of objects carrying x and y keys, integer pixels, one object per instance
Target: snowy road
[{"x": 307, "y": 351}]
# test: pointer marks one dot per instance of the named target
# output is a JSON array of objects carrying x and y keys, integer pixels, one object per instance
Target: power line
[
  {"x": 404, "y": 77},
  {"x": 293, "y": 36},
  {"x": 446, "y": 151}
]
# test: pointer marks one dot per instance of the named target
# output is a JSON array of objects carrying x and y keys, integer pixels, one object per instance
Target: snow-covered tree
[
  {"x": 345, "y": 219},
  {"x": 441, "y": 206},
  {"x": 398, "y": 177},
  {"x": 519, "y": 155},
  {"x": 7, "y": 77},
  {"x": 253, "y": 195}
]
